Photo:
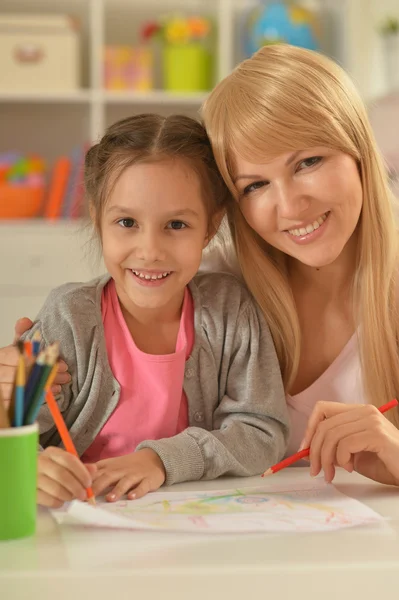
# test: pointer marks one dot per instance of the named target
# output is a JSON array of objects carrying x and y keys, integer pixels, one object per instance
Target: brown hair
[{"x": 150, "y": 137}]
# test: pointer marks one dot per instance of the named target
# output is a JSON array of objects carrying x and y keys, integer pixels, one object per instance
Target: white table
[{"x": 75, "y": 563}]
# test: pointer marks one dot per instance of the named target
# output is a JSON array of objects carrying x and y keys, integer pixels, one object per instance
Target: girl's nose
[{"x": 149, "y": 247}]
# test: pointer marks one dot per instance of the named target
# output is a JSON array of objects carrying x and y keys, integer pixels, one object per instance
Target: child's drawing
[{"x": 318, "y": 507}]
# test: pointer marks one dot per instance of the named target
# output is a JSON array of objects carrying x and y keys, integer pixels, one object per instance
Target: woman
[
  {"x": 313, "y": 227},
  {"x": 314, "y": 232}
]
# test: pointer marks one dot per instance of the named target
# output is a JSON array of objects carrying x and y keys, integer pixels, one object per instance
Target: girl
[
  {"x": 174, "y": 376},
  {"x": 316, "y": 239}
]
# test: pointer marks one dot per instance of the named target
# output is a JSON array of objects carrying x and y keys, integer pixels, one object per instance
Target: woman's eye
[
  {"x": 309, "y": 162},
  {"x": 126, "y": 223},
  {"x": 254, "y": 186},
  {"x": 177, "y": 225}
]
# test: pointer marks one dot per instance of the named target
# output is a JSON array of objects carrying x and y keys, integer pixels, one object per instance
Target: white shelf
[
  {"x": 78, "y": 96},
  {"x": 154, "y": 97}
]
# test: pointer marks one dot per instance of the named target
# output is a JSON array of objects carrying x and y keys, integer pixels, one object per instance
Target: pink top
[
  {"x": 152, "y": 403},
  {"x": 341, "y": 382}
]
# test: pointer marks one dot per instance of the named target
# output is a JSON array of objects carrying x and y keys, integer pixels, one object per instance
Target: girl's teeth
[
  {"x": 150, "y": 277},
  {"x": 309, "y": 228}
]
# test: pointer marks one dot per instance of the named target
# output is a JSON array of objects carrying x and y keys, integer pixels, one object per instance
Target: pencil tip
[
  {"x": 92, "y": 501},
  {"x": 268, "y": 472}
]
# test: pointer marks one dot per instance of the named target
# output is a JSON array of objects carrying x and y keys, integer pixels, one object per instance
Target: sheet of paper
[{"x": 312, "y": 507}]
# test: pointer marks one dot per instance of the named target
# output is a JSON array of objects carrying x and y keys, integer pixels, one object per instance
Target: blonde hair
[{"x": 284, "y": 99}]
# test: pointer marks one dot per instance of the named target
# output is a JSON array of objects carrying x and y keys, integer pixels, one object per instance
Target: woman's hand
[
  {"x": 134, "y": 474},
  {"x": 355, "y": 437},
  {"x": 61, "y": 477},
  {"x": 9, "y": 359}
]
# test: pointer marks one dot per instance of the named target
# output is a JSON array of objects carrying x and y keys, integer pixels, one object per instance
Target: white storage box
[{"x": 39, "y": 52}]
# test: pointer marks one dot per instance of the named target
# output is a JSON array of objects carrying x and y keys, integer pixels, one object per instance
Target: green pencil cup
[
  {"x": 18, "y": 475},
  {"x": 187, "y": 68}
]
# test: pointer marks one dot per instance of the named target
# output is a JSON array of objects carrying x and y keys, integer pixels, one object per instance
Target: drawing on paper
[{"x": 319, "y": 507}]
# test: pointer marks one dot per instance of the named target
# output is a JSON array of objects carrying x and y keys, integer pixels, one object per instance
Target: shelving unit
[{"x": 88, "y": 111}]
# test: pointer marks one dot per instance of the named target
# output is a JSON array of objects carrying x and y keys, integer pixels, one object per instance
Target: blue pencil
[
  {"x": 33, "y": 380},
  {"x": 19, "y": 393},
  {"x": 36, "y": 339}
]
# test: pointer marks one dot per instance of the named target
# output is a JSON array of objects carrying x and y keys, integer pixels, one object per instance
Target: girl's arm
[{"x": 250, "y": 424}]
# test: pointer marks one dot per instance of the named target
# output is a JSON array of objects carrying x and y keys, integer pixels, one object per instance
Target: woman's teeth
[
  {"x": 149, "y": 277},
  {"x": 309, "y": 228}
]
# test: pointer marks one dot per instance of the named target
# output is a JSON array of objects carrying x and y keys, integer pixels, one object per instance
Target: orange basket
[{"x": 20, "y": 202}]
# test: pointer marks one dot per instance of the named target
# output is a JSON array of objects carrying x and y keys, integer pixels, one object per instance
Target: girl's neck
[
  {"x": 333, "y": 280},
  {"x": 154, "y": 331},
  {"x": 167, "y": 314}
]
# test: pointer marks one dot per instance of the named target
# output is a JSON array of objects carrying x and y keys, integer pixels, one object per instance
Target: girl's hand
[
  {"x": 9, "y": 359},
  {"x": 355, "y": 437},
  {"x": 61, "y": 477},
  {"x": 134, "y": 474}
]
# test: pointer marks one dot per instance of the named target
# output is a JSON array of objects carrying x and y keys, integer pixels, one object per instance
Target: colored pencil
[
  {"x": 18, "y": 420},
  {"x": 37, "y": 398},
  {"x": 4, "y": 420},
  {"x": 36, "y": 339},
  {"x": 11, "y": 407},
  {"x": 28, "y": 348},
  {"x": 33, "y": 380},
  {"x": 64, "y": 434},
  {"x": 287, "y": 462}
]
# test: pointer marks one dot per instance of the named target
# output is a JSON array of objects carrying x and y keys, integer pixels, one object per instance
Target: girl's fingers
[
  {"x": 105, "y": 480},
  {"x": 122, "y": 487},
  {"x": 69, "y": 462},
  {"x": 45, "y": 499},
  {"x": 56, "y": 389},
  {"x": 140, "y": 490},
  {"x": 60, "y": 476},
  {"x": 54, "y": 488}
]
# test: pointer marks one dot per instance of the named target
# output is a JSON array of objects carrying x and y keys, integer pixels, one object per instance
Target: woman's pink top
[{"x": 341, "y": 382}]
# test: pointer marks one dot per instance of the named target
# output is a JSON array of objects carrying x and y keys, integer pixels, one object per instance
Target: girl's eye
[
  {"x": 127, "y": 223},
  {"x": 309, "y": 162},
  {"x": 177, "y": 225},
  {"x": 257, "y": 185}
]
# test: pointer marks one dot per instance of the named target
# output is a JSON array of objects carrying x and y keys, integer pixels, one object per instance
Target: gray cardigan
[{"x": 238, "y": 421}]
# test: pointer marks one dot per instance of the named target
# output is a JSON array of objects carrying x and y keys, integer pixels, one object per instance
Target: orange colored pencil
[
  {"x": 64, "y": 434},
  {"x": 287, "y": 462}
]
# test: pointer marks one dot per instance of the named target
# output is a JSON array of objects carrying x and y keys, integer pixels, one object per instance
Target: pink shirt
[
  {"x": 341, "y": 382},
  {"x": 152, "y": 403}
]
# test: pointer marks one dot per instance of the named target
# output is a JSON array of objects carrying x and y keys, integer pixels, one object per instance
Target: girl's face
[
  {"x": 154, "y": 228},
  {"x": 307, "y": 204}
]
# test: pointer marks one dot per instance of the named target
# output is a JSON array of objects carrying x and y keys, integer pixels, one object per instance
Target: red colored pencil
[
  {"x": 287, "y": 462},
  {"x": 64, "y": 434}
]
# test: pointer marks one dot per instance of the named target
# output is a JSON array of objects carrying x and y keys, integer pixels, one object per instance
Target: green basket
[{"x": 187, "y": 68}]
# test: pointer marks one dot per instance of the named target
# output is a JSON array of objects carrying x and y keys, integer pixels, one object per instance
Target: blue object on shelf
[{"x": 277, "y": 21}]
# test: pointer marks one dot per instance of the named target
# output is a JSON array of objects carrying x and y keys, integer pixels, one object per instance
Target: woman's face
[{"x": 306, "y": 203}]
